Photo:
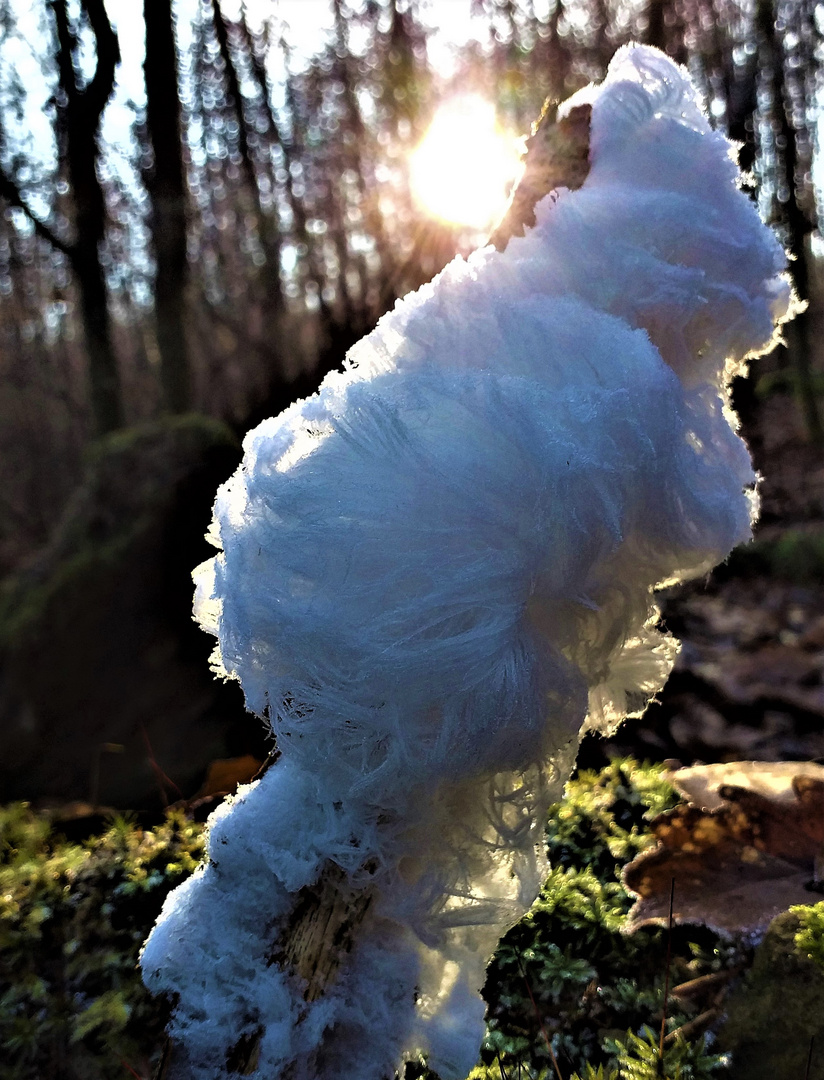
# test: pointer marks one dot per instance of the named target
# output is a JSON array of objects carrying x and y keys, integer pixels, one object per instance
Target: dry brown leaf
[
  {"x": 747, "y": 851},
  {"x": 772, "y": 779},
  {"x": 224, "y": 775}
]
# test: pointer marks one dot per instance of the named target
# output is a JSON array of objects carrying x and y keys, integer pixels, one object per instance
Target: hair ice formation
[{"x": 439, "y": 569}]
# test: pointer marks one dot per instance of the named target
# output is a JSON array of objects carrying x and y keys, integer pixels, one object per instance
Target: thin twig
[
  {"x": 126, "y": 1065},
  {"x": 11, "y": 193},
  {"x": 666, "y": 978},
  {"x": 160, "y": 776},
  {"x": 696, "y": 1026},
  {"x": 540, "y": 1022},
  {"x": 809, "y": 1059}
]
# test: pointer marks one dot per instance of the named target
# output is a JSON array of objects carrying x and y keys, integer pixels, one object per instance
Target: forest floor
[{"x": 749, "y": 680}]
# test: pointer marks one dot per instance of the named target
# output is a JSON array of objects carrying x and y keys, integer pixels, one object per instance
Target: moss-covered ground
[{"x": 569, "y": 993}]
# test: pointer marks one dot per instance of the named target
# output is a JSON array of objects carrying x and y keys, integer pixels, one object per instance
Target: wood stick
[
  {"x": 556, "y": 156},
  {"x": 327, "y": 914},
  {"x": 325, "y": 918}
]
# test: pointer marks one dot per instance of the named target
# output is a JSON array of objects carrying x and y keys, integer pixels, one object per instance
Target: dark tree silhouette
[
  {"x": 788, "y": 124},
  {"x": 80, "y": 106},
  {"x": 165, "y": 184}
]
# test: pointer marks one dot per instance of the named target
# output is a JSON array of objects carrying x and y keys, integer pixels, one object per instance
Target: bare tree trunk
[
  {"x": 269, "y": 234},
  {"x": 165, "y": 183},
  {"x": 796, "y": 221},
  {"x": 80, "y": 111},
  {"x": 367, "y": 187},
  {"x": 291, "y": 150},
  {"x": 656, "y": 27}
]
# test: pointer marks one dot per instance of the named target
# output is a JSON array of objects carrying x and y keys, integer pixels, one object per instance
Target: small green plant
[
  {"x": 636, "y": 1056},
  {"x": 639, "y": 1057},
  {"x": 567, "y": 983},
  {"x": 72, "y": 920},
  {"x": 810, "y": 937}
]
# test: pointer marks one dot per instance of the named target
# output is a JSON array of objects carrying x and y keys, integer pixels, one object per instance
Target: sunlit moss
[
  {"x": 567, "y": 974},
  {"x": 72, "y": 919},
  {"x": 810, "y": 937}
]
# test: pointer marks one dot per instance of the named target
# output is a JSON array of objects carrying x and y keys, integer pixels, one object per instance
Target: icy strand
[{"x": 439, "y": 570}]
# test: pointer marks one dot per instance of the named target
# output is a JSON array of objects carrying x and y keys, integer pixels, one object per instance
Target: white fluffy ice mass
[{"x": 439, "y": 570}]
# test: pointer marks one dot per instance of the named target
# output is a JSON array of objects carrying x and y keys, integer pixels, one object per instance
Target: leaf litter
[{"x": 746, "y": 845}]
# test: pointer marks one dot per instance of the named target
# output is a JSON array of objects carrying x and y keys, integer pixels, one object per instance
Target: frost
[{"x": 439, "y": 569}]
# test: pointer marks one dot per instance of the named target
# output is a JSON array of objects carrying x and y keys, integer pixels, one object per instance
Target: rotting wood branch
[
  {"x": 325, "y": 918},
  {"x": 556, "y": 156}
]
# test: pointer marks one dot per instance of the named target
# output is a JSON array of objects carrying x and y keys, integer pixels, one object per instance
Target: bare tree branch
[
  {"x": 14, "y": 197},
  {"x": 99, "y": 90},
  {"x": 79, "y": 114},
  {"x": 66, "y": 44}
]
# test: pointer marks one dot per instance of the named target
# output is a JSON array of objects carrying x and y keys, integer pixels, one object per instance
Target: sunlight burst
[{"x": 464, "y": 166}]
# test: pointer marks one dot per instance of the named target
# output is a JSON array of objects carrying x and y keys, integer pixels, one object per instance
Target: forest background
[
  {"x": 205, "y": 203},
  {"x": 203, "y": 209}
]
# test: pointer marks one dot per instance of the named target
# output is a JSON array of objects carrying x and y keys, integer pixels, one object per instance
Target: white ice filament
[{"x": 438, "y": 570}]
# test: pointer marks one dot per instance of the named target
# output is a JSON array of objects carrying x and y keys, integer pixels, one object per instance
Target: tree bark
[
  {"x": 79, "y": 111},
  {"x": 794, "y": 217},
  {"x": 557, "y": 155},
  {"x": 165, "y": 183}
]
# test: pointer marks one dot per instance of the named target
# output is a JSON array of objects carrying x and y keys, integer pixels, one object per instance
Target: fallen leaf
[
  {"x": 700, "y": 784},
  {"x": 224, "y": 775},
  {"x": 747, "y": 850}
]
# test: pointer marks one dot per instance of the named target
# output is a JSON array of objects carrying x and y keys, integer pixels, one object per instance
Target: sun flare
[{"x": 464, "y": 166}]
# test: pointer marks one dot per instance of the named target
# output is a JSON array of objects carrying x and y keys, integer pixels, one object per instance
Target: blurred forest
[{"x": 221, "y": 251}]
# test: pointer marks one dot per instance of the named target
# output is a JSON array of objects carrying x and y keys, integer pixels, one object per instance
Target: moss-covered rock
[
  {"x": 809, "y": 939},
  {"x": 97, "y": 647},
  {"x": 794, "y": 554},
  {"x": 779, "y": 1005}
]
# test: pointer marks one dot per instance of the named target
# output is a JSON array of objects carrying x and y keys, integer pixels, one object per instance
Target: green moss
[
  {"x": 73, "y": 917},
  {"x": 794, "y": 554},
  {"x": 72, "y": 920},
  {"x": 24, "y": 611},
  {"x": 131, "y": 476},
  {"x": 567, "y": 973},
  {"x": 779, "y": 1005},
  {"x": 97, "y": 643},
  {"x": 809, "y": 940}
]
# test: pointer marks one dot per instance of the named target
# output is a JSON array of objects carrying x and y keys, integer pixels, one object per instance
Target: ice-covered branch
[
  {"x": 557, "y": 156},
  {"x": 439, "y": 570}
]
